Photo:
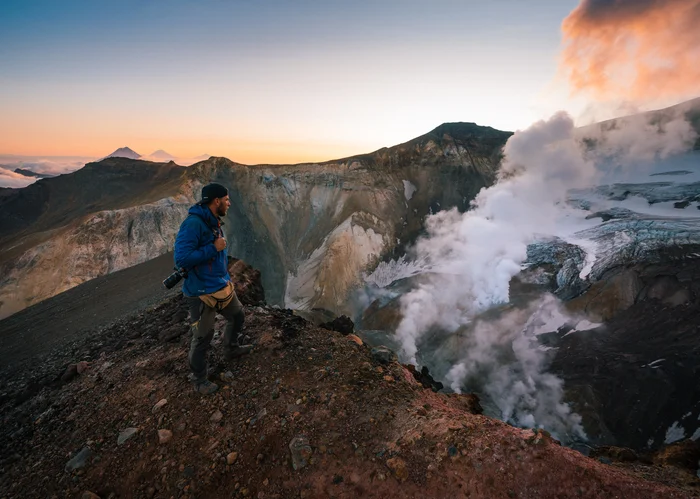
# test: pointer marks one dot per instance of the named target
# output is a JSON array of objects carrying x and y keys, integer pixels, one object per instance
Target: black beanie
[{"x": 213, "y": 191}]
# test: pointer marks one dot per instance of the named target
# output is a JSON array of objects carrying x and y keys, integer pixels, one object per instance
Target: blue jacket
[{"x": 207, "y": 269}]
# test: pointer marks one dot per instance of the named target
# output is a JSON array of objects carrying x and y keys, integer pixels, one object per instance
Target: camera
[{"x": 174, "y": 278}]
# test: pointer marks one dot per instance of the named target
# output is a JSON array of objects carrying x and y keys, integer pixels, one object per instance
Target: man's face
[{"x": 221, "y": 206}]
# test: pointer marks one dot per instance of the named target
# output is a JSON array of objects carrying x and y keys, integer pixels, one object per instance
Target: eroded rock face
[{"x": 100, "y": 244}]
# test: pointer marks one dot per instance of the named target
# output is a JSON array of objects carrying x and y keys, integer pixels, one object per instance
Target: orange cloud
[{"x": 638, "y": 50}]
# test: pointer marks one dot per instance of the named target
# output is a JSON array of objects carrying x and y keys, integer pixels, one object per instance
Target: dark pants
[{"x": 202, "y": 324}]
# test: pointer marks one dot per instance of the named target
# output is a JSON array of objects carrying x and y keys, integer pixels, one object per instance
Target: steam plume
[
  {"x": 633, "y": 48},
  {"x": 476, "y": 254},
  {"x": 522, "y": 389},
  {"x": 468, "y": 260}
]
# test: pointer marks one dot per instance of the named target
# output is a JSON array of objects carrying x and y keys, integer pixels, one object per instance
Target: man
[{"x": 200, "y": 248}]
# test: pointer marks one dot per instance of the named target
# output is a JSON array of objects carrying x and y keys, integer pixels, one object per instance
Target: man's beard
[{"x": 221, "y": 211}]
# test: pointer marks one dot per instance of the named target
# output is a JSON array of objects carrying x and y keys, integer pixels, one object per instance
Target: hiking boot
[
  {"x": 237, "y": 351},
  {"x": 206, "y": 387}
]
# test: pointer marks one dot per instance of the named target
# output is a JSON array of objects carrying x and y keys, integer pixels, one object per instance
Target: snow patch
[
  {"x": 674, "y": 433},
  {"x": 590, "y": 248},
  {"x": 408, "y": 189},
  {"x": 394, "y": 270},
  {"x": 345, "y": 252}
]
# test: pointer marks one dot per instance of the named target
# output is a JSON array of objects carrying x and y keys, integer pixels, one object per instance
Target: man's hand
[{"x": 219, "y": 243}]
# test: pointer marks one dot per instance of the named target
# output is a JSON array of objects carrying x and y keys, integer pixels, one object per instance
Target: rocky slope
[
  {"x": 310, "y": 413},
  {"x": 313, "y": 229}
]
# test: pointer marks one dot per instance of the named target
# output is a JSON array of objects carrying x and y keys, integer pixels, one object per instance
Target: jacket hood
[{"x": 204, "y": 213}]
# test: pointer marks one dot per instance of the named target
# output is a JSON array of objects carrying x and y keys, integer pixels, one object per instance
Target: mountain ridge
[{"x": 463, "y": 173}]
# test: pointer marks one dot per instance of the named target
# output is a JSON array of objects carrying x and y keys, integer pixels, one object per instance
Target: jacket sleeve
[{"x": 189, "y": 251}]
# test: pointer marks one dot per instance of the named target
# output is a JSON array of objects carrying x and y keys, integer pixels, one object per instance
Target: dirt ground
[{"x": 310, "y": 413}]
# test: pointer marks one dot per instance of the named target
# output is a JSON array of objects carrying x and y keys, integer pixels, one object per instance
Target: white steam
[
  {"x": 473, "y": 256},
  {"x": 517, "y": 383},
  {"x": 478, "y": 252},
  {"x": 641, "y": 137}
]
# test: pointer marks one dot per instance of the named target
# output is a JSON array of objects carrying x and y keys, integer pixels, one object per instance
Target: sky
[
  {"x": 267, "y": 81},
  {"x": 273, "y": 81}
]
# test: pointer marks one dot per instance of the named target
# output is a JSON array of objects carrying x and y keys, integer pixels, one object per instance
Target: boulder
[
  {"x": 248, "y": 282},
  {"x": 342, "y": 325}
]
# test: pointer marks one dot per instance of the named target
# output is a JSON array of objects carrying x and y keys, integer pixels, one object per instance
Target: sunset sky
[
  {"x": 266, "y": 81},
  {"x": 270, "y": 81}
]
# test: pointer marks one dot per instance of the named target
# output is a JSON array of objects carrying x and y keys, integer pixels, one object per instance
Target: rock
[
  {"x": 164, "y": 436},
  {"x": 216, "y": 417},
  {"x": 683, "y": 454},
  {"x": 80, "y": 460},
  {"x": 231, "y": 458},
  {"x": 399, "y": 468},
  {"x": 261, "y": 414},
  {"x": 620, "y": 454},
  {"x": 160, "y": 404},
  {"x": 70, "y": 373},
  {"x": 301, "y": 451},
  {"x": 172, "y": 333},
  {"x": 424, "y": 378},
  {"x": 355, "y": 339},
  {"x": 82, "y": 366},
  {"x": 609, "y": 297},
  {"x": 248, "y": 282},
  {"x": 89, "y": 495},
  {"x": 383, "y": 355},
  {"x": 341, "y": 324},
  {"x": 126, "y": 434}
]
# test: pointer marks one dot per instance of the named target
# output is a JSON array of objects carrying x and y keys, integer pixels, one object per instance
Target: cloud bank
[{"x": 47, "y": 165}]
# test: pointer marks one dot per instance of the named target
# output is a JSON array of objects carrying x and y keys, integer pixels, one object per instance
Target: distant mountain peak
[
  {"x": 124, "y": 152},
  {"x": 161, "y": 154}
]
